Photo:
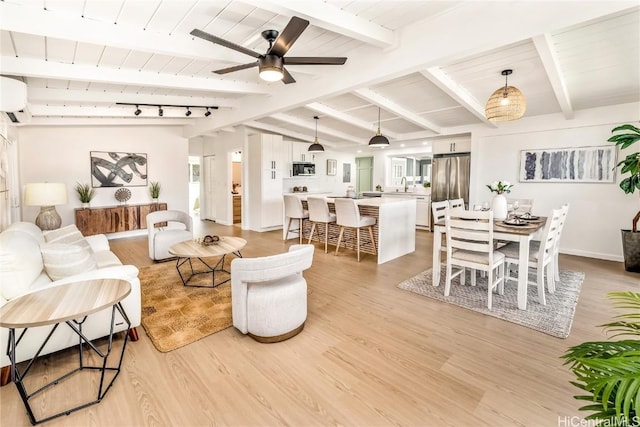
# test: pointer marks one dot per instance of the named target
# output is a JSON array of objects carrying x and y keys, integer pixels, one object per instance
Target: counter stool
[
  {"x": 348, "y": 215},
  {"x": 293, "y": 210},
  {"x": 319, "y": 212}
]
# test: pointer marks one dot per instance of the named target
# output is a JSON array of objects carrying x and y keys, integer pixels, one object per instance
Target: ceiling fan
[{"x": 271, "y": 64}]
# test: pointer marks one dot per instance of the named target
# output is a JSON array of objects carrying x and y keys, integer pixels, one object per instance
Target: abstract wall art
[
  {"x": 346, "y": 172},
  {"x": 574, "y": 164},
  {"x": 115, "y": 169}
]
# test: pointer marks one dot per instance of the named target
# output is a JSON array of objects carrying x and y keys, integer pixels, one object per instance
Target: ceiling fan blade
[
  {"x": 287, "y": 77},
  {"x": 288, "y": 36},
  {"x": 314, "y": 60},
  {"x": 223, "y": 42},
  {"x": 236, "y": 68}
]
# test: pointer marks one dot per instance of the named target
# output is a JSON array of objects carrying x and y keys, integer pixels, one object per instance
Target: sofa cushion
[
  {"x": 20, "y": 263},
  {"x": 62, "y": 260},
  {"x": 106, "y": 259},
  {"x": 69, "y": 235}
]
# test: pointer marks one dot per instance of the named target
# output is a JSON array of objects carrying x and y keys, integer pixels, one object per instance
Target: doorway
[
  {"x": 194, "y": 186},
  {"x": 208, "y": 203},
  {"x": 364, "y": 174},
  {"x": 236, "y": 187}
]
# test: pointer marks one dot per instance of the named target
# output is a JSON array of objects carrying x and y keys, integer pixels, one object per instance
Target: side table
[{"x": 68, "y": 304}]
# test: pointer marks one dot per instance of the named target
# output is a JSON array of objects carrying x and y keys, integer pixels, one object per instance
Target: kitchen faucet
[{"x": 404, "y": 179}]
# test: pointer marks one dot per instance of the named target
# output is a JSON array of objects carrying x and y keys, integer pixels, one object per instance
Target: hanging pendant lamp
[
  {"x": 379, "y": 140},
  {"x": 316, "y": 146},
  {"x": 506, "y": 103}
]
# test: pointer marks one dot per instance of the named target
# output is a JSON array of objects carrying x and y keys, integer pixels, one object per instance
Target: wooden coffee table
[
  {"x": 59, "y": 305},
  {"x": 188, "y": 250}
]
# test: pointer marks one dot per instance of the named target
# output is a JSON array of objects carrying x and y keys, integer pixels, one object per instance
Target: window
[
  {"x": 417, "y": 171},
  {"x": 194, "y": 173}
]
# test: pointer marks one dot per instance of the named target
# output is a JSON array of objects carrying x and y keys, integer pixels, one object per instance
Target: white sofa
[{"x": 22, "y": 270}]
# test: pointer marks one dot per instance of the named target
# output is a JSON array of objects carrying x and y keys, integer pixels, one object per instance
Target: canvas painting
[
  {"x": 346, "y": 172},
  {"x": 576, "y": 164},
  {"x": 115, "y": 169}
]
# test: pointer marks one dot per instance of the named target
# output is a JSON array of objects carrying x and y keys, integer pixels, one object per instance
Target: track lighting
[
  {"x": 208, "y": 113},
  {"x": 188, "y": 113},
  {"x": 160, "y": 111},
  {"x": 138, "y": 111}
]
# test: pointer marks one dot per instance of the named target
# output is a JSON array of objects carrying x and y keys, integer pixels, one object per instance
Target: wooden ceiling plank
[
  {"x": 311, "y": 126},
  {"x": 549, "y": 58}
]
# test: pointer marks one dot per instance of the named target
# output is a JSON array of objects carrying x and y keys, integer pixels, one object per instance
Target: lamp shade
[
  {"x": 45, "y": 194},
  {"x": 379, "y": 140},
  {"x": 316, "y": 146},
  {"x": 505, "y": 103}
]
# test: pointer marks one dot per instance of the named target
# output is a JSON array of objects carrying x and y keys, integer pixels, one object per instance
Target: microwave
[{"x": 303, "y": 169}]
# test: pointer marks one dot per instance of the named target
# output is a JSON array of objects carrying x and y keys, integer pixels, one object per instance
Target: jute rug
[
  {"x": 174, "y": 315},
  {"x": 554, "y": 319}
]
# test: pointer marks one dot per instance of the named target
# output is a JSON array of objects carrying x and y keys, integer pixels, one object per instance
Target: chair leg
[
  {"x": 540, "y": 280},
  {"x": 358, "y": 242},
  {"x": 313, "y": 227},
  {"x": 447, "y": 285},
  {"x": 473, "y": 277},
  {"x": 286, "y": 235},
  {"x": 556, "y": 268},
  {"x": 551, "y": 285},
  {"x": 326, "y": 236},
  {"x": 373, "y": 242},
  {"x": 300, "y": 231},
  {"x": 490, "y": 287},
  {"x": 339, "y": 239},
  {"x": 501, "y": 275}
]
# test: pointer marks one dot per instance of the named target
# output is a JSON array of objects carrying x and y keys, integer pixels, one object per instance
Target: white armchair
[
  {"x": 269, "y": 294},
  {"x": 178, "y": 228}
]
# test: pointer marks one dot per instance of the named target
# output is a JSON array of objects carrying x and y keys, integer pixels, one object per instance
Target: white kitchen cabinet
[
  {"x": 423, "y": 211},
  {"x": 457, "y": 146},
  {"x": 266, "y": 165},
  {"x": 300, "y": 152}
]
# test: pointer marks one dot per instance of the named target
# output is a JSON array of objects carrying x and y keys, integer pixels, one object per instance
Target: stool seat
[
  {"x": 319, "y": 213},
  {"x": 348, "y": 216},
  {"x": 293, "y": 209}
]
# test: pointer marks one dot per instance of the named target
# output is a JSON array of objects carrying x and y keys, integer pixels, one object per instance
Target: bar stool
[
  {"x": 294, "y": 210},
  {"x": 319, "y": 212},
  {"x": 348, "y": 215}
]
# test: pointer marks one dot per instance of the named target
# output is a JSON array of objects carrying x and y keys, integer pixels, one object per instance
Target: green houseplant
[
  {"x": 154, "y": 189},
  {"x": 85, "y": 192},
  {"x": 609, "y": 371},
  {"x": 630, "y": 165}
]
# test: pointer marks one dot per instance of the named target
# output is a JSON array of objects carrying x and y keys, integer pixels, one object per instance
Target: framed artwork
[
  {"x": 346, "y": 172},
  {"x": 332, "y": 167},
  {"x": 575, "y": 164},
  {"x": 115, "y": 169}
]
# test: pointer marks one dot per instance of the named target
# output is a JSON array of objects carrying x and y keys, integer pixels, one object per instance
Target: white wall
[
  {"x": 61, "y": 154},
  {"x": 597, "y": 211}
]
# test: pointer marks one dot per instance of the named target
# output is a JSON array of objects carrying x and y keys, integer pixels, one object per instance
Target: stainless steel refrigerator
[{"x": 450, "y": 177}]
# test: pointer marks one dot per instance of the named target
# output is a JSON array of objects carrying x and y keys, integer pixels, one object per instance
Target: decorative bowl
[{"x": 123, "y": 194}]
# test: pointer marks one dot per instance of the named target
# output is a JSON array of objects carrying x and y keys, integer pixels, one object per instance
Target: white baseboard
[{"x": 588, "y": 254}]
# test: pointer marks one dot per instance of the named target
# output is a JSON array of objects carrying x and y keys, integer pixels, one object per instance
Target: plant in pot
[
  {"x": 154, "y": 189},
  {"x": 629, "y": 165},
  {"x": 85, "y": 193},
  {"x": 609, "y": 371}
]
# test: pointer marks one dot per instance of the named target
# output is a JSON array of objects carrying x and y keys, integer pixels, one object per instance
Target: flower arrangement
[{"x": 500, "y": 187}]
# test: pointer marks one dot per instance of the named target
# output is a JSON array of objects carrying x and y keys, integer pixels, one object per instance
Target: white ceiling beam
[
  {"x": 46, "y": 23},
  {"x": 279, "y": 130},
  {"x": 149, "y": 112},
  {"x": 439, "y": 78},
  {"x": 549, "y": 58},
  {"x": 347, "y": 118},
  {"x": 311, "y": 126},
  {"x": 331, "y": 18},
  {"x": 55, "y": 70},
  {"x": 106, "y": 121},
  {"x": 395, "y": 108},
  {"x": 47, "y": 95}
]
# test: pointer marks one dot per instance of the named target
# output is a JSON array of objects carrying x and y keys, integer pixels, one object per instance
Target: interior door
[
  {"x": 364, "y": 174},
  {"x": 208, "y": 205}
]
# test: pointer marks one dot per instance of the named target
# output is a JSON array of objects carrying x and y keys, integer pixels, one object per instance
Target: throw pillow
[
  {"x": 62, "y": 260},
  {"x": 69, "y": 235}
]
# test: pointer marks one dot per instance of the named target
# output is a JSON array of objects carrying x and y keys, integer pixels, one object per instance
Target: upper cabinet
[
  {"x": 451, "y": 146},
  {"x": 300, "y": 153}
]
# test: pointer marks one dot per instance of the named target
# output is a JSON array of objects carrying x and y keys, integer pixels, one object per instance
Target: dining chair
[
  {"x": 456, "y": 204},
  {"x": 470, "y": 245},
  {"x": 556, "y": 250},
  {"x": 348, "y": 216},
  {"x": 438, "y": 210},
  {"x": 524, "y": 205},
  {"x": 293, "y": 209},
  {"x": 541, "y": 256},
  {"x": 319, "y": 213}
]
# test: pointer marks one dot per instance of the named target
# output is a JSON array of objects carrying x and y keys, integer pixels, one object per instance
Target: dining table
[{"x": 522, "y": 234}]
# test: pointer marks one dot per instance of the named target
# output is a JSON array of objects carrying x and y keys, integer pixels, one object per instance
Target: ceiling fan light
[
  {"x": 271, "y": 75},
  {"x": 505, "y": 103},
  {"x": 270, "y": 68}
]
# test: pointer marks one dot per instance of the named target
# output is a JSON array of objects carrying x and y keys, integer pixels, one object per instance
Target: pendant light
[
  {"x": 379, "y": 140},
  {"x": 316, "y": 146},
  {"x": 506, "y": 103}
]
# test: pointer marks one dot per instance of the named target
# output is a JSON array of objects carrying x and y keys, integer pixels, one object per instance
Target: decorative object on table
[
  {"x": 85, "y": 193},
  {"x": 554, "y": 319},
  {"x": 46, "y": 195},
  {"x": 573, "y": 164},
  {"x": 304, "y": 189},
  {"x": 499, "y": 202},
  {"x": 378, "y": 187},
  {"x": 316, "y": 146},
  {"x": 630, "y": 165},
  {"x": 154, "y": 190},
  {"x": 115, "y": 169},
  {"x": 296, "y": 189},
  {"x": 506, "y": 103},
  {"x": 346, "y": 172},
  {"x": 351, "y": 192},
  {"x": 332, "y": 167},
  {"x": 123, "y": 195},
  {"x": 608, "y": 371},
  {"x": 209, "y": 240},
  {"x": 426, "y": 184},
  {"x": 379, "y": 140}
]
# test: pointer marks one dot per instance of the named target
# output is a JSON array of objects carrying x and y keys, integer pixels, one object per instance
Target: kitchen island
[{"x": 394, "y": 232}]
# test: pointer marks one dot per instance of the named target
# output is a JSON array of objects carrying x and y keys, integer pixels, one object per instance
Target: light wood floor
[{"x": 370, "y": 355}]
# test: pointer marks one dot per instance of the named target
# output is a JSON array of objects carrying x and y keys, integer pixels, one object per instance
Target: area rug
[
  {"x": 554, "y": 319},
  {"x": 174, "y": 315}
]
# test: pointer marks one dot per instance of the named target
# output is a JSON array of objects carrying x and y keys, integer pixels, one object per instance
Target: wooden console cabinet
[{"x": 112, "y": 219}]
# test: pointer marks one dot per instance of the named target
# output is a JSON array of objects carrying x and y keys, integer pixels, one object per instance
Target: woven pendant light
[
  {"x": 379, "y": 140},
  {"x": 316, "y": 146},
  {"x": 506, "y": 103}
]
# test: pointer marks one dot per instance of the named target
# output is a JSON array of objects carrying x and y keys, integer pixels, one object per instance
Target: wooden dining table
[{"x": 523, "y": 235}]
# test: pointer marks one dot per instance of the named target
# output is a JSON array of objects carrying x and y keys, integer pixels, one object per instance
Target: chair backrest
[
  {"x": 469, "y": 231},
  {"x": 293, "y": 206},
  {"x": 318, "y": 209},
  {"x": 347, "y": 212},
  {"x": 438, "y": 209},
  {"x": 549, "y": 235},
  {"x": 524, "y": 205},
  {"x": 456, "y": 204},
  {"x": 564, "y": 211},
  {"x": 168, "y": 216}
]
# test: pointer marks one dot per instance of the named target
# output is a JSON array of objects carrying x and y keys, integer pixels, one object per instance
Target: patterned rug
[
  {"x": 554, "y": 319},
  {"x": 174, "y": 315}
]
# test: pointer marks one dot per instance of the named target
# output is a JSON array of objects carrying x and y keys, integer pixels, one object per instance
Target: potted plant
[
  {"x": 609, "y": 371},
  {"x": 155, "y": 190},
  {"x": 629, "y": 165},
  {"x": 85, "y": 193},
  {"x": 499, "y": 202}
]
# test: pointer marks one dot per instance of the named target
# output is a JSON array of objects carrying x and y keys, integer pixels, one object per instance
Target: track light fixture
[
  {"x": 160, "y": 111},
  {"x": 316, "y": 146},
  {"x": 188, "y": 113},
  {"x": 208, "y": 113},
  {"x": 138, "y": 111}
]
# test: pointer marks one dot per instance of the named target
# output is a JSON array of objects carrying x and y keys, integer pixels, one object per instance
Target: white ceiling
[{"x": 428, "y": 65}]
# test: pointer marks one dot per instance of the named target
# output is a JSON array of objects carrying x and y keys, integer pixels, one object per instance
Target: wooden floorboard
[{"x": 370, "y": 354}]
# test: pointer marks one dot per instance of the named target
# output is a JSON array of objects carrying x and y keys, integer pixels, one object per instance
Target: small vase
[
  {"x": 499, "y": 207},
  {"x": 154, "y": 200},
  {"x": 86, "y": 205}
]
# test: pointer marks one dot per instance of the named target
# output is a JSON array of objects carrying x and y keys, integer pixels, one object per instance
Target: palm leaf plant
[
  {"x": 609, "y": 371},
  {"x": 630, "y": 164},
  {"x": 85, "y": 192},
  {"x": 154, "y": 189}
]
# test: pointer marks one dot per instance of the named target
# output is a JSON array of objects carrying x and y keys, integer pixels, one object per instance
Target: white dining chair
[
  {"x": 556, "y": 250},
  {"x": 456, "y": 204},
  {"x": 438, "y": 210},
  {"x": 470, "y": 245},
  {"x": 541, "y": 256},
  {"x": 348, "y": 216},
  {"x": 520, "y": 206},
  {"x": 319, "y": 213},
  {"x": 293, "y": 209}
]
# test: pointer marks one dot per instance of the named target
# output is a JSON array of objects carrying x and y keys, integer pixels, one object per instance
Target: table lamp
[{"x": 46, "y": 195}]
